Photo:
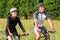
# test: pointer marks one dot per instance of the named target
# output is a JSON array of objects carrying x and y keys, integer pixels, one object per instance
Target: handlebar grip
[
  {"x": 24, "y": 35},
  {"x": 51, "y": 31}
]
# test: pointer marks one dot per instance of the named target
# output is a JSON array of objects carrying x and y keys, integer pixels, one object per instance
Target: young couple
[{"x": 39, "y": 16}]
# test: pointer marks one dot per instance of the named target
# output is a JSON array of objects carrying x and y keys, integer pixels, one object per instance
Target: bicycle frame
[{"x": 49, "y": 32}]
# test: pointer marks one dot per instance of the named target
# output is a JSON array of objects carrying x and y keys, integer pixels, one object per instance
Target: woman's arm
[{"x": 21, "y": 26}]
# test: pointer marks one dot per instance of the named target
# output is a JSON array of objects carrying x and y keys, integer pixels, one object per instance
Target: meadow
[{"x": 29, "y": 27}]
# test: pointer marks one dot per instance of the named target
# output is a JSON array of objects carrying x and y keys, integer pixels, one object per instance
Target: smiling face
[
  {"x": 14, "y": 14},
  {"x": 41, "y": 9}
]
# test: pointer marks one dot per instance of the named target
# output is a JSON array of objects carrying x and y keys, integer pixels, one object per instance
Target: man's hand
[
  {"x": 36, "y": 24},
  {"x": 53, "y": 30},
  {"x": 38, "y": 30},
  {"x": 51, "y": 25}
]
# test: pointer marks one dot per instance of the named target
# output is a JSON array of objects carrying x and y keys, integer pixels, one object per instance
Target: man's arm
[
  {"x": 51, "y": 25},
  {"x": 36, "y": 23},
  {"x": 36, "y": 20},
  {"x": 50, "y": 22}
]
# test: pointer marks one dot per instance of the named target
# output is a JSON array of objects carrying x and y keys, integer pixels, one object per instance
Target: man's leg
[
  {"x": 37, "y": 34},
  {"x": 47, "y": 36}
]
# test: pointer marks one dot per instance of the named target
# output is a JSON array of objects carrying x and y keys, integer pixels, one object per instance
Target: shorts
[
  {"x": 14, "y": 32},
  {"x": 43, "y": 29}
]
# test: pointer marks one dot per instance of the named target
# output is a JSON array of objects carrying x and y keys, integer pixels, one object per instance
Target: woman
[{"x": 12, "y": 21}]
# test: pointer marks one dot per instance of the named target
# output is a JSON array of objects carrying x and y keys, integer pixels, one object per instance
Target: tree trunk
[
  {"x": 25, "y": 16},
  {"x": 40, "y": 1}
]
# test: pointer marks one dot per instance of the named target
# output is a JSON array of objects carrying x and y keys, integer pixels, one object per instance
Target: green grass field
[{"x": 28, "y": 25}]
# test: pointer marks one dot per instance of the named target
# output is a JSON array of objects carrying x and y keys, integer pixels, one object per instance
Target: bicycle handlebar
[
  {"x": 51, "y": 32},
  {"x": 23, "y": 35}
]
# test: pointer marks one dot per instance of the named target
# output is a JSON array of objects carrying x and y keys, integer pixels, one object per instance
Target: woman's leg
[
  {"x": 9, "y": 37},
  {"x": 16, "y": 38},
  {"x": 15, "y": 34}
]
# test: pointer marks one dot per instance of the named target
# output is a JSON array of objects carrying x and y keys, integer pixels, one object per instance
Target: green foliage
[
  {"x": 53, "y": 7},
  {"x": 24, "y": 7},
  {"x": 29, "y": 7}
]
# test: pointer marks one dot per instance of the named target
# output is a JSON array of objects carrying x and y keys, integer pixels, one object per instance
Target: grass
[{"x": 29, "y": 27}]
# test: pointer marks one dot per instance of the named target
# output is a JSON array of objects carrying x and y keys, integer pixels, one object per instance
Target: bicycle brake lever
[{"x": 24, "y": 35}]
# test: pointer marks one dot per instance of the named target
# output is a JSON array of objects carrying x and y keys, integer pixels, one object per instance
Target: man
[
  {"x": 39, "y": 17},
  {"x": 12, "y": 21}
]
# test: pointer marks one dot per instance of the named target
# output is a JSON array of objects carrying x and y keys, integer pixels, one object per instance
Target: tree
[
  {"x": 52, "y": 6},
  {"x": 28, "y": 7}
]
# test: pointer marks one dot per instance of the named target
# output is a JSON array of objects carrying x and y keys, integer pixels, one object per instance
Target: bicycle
[
  {"x": 50, "y": 32},
  {"x": 53, "y": 33},
  {"x": 20, "y": 36},
  {"x": 3, "y": 32}
]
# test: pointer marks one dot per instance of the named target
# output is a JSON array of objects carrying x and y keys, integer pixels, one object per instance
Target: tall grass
[{"x": 29, "y": 27}]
